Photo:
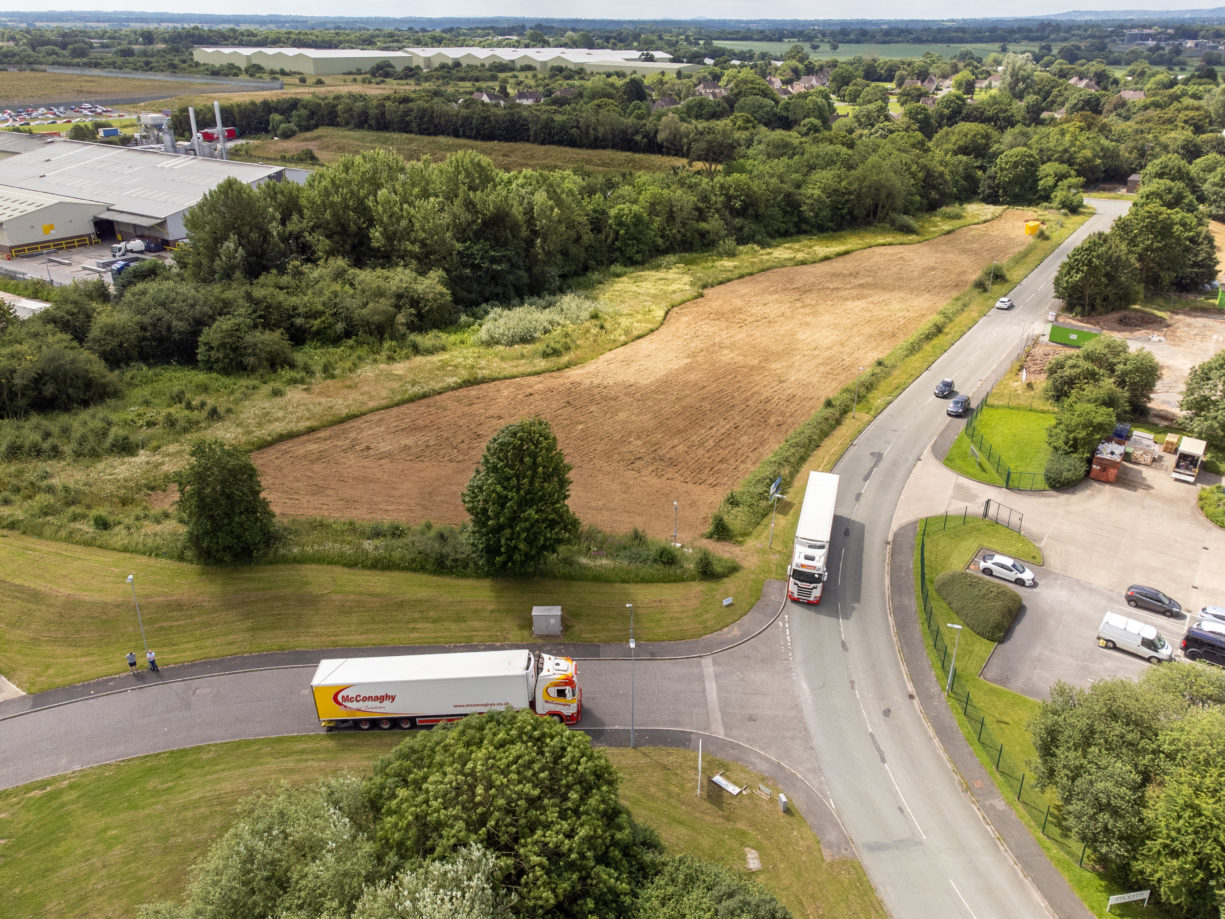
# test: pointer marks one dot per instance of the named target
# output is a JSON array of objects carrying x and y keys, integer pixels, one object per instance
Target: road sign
[{"x": 778, "y": 483}]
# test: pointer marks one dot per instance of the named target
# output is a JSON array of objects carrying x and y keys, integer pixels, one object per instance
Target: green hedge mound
[{"x": 986, "y": 607}]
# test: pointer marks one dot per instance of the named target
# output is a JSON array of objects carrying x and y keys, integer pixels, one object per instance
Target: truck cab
[
  {"x": 557, "y": 691},
  {"x": 806, "y": 580}
]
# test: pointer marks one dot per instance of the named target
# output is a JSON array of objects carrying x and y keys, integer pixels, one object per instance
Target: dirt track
[{"x": 680, "y": 415}]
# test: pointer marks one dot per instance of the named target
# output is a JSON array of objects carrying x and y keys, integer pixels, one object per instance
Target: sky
[{"x": 634, "y": 9}]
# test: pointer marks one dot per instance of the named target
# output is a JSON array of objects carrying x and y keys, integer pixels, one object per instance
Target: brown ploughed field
[{"x": 682, "y": 414}]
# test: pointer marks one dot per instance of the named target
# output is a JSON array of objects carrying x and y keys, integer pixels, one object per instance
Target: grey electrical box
[
  {"x": 546, "y": 621},
  {"x": 782, "y": 802}
]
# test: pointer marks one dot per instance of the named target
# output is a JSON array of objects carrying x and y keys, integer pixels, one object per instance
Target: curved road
[{"x": 867, "y": 771}]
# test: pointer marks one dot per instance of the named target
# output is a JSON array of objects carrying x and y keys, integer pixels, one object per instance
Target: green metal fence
[{"x": 1009, "y": 767}]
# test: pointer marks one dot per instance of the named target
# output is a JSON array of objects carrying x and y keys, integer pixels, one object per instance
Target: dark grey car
[
  {"x": 945, "y": 388},
  {"x": 1152, "y": 599}
]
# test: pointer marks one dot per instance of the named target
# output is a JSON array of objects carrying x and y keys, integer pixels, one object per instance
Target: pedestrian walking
[
  {"x": 131, "y": 662},
  {"x": 152, "y": 659}
]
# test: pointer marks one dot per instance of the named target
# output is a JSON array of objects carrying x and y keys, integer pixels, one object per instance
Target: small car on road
[
  {"x": 945, "y": 388},
  {"x": 1004, "y": 303},
  {"x": 1151, "y": 598},
  {"x": 959, "y": 406},
  {"x": 1001, "y": 566}
]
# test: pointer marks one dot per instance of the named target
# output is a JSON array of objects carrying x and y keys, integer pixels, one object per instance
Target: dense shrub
[
  {"x": 42, "y": 369},
  {"x": 233, "y": 344},
  {"x": 535, "y": 319},
  {"x": 987, "y": 607},
  {"x": 1063, "y": 470}
]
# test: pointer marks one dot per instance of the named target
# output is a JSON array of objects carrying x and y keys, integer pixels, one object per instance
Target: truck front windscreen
[{"x": 805, "y": 577}]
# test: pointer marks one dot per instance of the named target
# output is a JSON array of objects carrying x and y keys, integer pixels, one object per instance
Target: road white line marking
[
  {"x": 906, "y": 805},
  {"x": 712, "y": 696},
  {"x": 963, "y": 899}
]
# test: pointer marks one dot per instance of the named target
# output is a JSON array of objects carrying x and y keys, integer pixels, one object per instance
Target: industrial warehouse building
[
  {"x": 302, "y": 60},
  {"x": 68, "y": 193},
  {"x": 332, "y": 61}
]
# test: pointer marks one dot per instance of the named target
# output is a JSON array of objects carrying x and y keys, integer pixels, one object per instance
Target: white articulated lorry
[
  {"x": 427, "y": 689},
  {"x": 810, "y": 556}
]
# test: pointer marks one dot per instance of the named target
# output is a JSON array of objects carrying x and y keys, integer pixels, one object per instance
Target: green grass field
[
  {"x": 148, "y": 819},
  {"x": 1017, "y": 435},
  {"x": 329, "y": 144}
]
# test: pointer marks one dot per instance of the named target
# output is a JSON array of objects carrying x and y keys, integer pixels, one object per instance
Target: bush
[
  {"x": 719, "y": 529},
  {"x": 903, "y": 223},
  {"x": 535, "y": 319},
  {"x": 1212, "y": 503},
  {"x": 986, "y": 607},
  {"x": 705, "y": 565},
  {"x": 992, "y": 274},
  {"x": 1063, "y": 470}
]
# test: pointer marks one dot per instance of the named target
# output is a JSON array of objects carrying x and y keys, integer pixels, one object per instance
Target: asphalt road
[
  {"x": 866, "y": 770},
  {"x": 921, "y": 842}
]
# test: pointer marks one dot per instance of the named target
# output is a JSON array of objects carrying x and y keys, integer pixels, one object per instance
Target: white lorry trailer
[
  {"x": 810, "y": 556},
  {"x": 427, "y": 689}
]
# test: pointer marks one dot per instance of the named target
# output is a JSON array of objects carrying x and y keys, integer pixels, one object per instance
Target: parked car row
[
  {"x": 56, "y": 114},
  {"x": 1204, "y": 639}
]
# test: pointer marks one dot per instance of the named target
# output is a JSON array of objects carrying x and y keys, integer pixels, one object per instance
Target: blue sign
[{"x": 778, "y": 483}]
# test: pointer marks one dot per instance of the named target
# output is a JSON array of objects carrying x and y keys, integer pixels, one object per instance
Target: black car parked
[
  {"x": 1200, "y": 644},
  {"x": 959, "y": 406},
  {"x": 1152, "y": 598}
]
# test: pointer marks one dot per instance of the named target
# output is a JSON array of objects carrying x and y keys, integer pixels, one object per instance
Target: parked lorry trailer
[
  {"x": 414, "y": 690},
  {"x": 810, "y": 556}
]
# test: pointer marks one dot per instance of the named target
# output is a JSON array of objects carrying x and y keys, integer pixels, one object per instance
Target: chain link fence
[{"x": 1009, "y": 764}]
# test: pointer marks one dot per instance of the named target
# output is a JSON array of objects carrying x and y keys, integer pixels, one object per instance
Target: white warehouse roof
[
  {"x": 145, "y": 183},
  {"x": 17, "y": 202}
]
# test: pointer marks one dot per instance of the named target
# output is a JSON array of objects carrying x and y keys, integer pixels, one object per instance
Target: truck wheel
[
  {"x": 1109, "y": 645},
  {"x": 1154, "y": 660},
  {"x": 386, "y": 724},
  {"x": 556, "y": 717},
  {"x": 364, "y": 723},
  {"x": 1195, "y": 654},
  {"x": 406, "y": 724}
]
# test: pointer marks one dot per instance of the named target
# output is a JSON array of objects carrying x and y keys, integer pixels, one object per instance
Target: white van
[{"x": 1139, "y": 638}]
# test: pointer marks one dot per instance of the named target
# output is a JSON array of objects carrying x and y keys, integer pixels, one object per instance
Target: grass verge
[
  {"x": 1212, "y": 503},
  {"x": 1006, "y": 438},
  {"x": 148, "y": 819},
  {"x": 994, "y": 720}
]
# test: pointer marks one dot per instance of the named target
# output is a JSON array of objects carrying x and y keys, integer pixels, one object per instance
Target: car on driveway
[
  {"x": 1004, "y": 303},
  {"x": 959, "y": 406},
  {"x": 1151, "y": 598},
  {"x": 1001, "y": 566},
  {"x": 945, "y": 388}
]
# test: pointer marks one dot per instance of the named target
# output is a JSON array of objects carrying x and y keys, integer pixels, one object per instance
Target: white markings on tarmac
[
  {"x": 712, "y": 695},
  {"x": 963, "y": 899}
]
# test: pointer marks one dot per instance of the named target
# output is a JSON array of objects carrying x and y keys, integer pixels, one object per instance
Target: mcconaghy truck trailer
[{"x": 427, "y": 689}]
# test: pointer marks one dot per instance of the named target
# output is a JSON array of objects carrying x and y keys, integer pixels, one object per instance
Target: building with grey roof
[
  {"x": 302, "y": 60},
  {"x": 130, "y": 192}
]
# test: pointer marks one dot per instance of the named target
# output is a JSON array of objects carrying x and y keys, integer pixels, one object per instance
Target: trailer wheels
[
  {"x": 364, "y": 723},
  {"x": 386, "y": 724},
  {"x": 406, "y": 724}
]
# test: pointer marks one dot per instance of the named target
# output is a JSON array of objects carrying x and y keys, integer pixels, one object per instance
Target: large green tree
[
  {"x": 228, "y": 519},
  {"x": 234, "y": 234},
  {"x": 1203, "y": 401},
  {"x": 1098, "y": 276},
  {"x": 533, "y": 793},
  {"x": 517, "y": 498}
]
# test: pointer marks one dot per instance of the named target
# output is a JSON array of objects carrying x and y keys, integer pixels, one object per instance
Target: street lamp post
[
  {"x": 633, "y": 674},
  {"x": 139, "y": 621},
  {"x": 855, "y": 405},
  {"x": 675, "y": 519},
  {"x": 948, "y": 687}
]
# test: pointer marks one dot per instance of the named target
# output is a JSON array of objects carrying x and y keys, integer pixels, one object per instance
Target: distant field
[
  {"x": 330, "y": 144},
  {"x": 846, "y": 51},
  {"x": 35, "y": 87}
]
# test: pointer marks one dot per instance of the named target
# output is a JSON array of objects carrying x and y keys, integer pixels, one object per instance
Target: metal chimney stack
[{"x": 220, "y": 128}]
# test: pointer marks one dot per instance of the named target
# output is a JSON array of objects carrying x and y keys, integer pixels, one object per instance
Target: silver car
[{"x": 1212, "y": 614}]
